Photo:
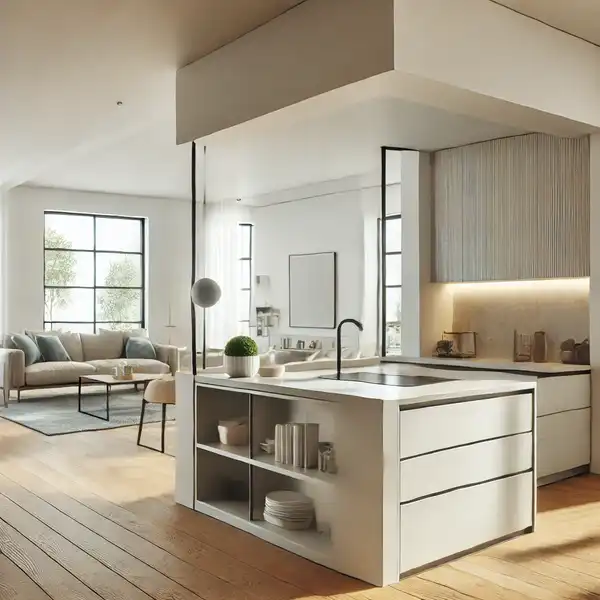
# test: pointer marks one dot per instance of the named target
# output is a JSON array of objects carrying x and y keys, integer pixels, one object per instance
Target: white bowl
[{"x": 271, "y": 370}]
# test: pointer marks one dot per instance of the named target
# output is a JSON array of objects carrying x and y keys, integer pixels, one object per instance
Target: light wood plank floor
[{"x": 91, "y": 516}]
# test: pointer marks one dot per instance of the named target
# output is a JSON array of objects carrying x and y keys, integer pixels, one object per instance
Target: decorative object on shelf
[
  {"x": 233, "y": 432},
  {"x": 268, "y": 446},
  {"x": 443, "y": 348},
  {"x": 540, "y": 347},
  {"x": 241, "y": 357},
  {"x": 267, "y": 318},
  {"x": 464, "y": 344},
  {"x": 574, "y": 353},
  {"x": 205, "y": 293},
  {"x": 271, "y": 370},
  {"x": 327, "y": 463},
  {"x": 289, "y": 510},
  {"x": 311, "y": 445},
  {"x": 522, "y": 347},
  {"x": 279, "y": 443},
  {"x": 297, "y": 444}
]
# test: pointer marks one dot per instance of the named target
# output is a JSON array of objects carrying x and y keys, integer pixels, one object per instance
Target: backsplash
[{"x": 560, "y": 307}]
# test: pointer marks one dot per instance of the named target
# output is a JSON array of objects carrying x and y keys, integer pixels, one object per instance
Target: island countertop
[
  {"x": 547, "y": 369},
  {"x": 310, "y": 383}
]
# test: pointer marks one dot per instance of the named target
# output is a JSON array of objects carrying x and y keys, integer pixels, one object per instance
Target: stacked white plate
[{"x": 290, "y": 510}]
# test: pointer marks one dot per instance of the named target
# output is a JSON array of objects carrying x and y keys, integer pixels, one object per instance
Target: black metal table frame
[{"x": 108, "y": 388}]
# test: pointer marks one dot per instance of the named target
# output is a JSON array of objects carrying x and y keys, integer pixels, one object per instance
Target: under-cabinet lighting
[{"x": 538, "y": 285}]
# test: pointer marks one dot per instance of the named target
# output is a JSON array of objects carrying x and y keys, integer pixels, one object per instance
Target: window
[
  {"x": 94, "y": 272},
  {"x": 392, "y": 283},
  {"x": 245, "y": 260}
]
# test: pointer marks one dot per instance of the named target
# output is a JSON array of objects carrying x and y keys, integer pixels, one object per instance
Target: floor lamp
[{"x": 205, "y": 293}]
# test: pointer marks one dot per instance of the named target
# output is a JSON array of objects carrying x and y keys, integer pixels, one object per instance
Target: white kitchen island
[{"x": 425, "y": 473}]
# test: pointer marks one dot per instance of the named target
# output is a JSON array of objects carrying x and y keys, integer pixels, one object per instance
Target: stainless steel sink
[{"x": 388, "y": 379}]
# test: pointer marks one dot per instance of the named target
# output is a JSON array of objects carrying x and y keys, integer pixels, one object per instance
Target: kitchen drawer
[
  {"x": 563, "y": 441},
  {"x": 442, "y": 526},
  {"x": 558, "y": 394},
  {"x": 447, "y": 469},
  {"x": 448, "y": 425}
]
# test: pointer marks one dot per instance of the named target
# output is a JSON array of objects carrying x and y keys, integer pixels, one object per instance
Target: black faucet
[{"x": 339, "y": 342}]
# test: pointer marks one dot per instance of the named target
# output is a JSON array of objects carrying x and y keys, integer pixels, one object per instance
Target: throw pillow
[
  {"x": 102, "y": 346},
  {"x": 139, "y": 347},
  {"x": 29, "y": 347},
  {"x": 52, "y": 348}
]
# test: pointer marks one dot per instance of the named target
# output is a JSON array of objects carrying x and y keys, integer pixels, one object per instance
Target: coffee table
[{"x": 109, "y": 381}]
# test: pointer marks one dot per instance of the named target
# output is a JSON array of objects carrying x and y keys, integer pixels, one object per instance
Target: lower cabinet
[
  {"x": 563, "y": 441},
  {"x": 441, "y": 526}
]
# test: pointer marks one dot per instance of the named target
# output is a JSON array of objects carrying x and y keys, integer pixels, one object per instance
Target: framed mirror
[{"x": 313, "y": 290}]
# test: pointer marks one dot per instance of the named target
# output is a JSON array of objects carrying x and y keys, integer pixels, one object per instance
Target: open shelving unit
[{"x": 232, "y": 481}]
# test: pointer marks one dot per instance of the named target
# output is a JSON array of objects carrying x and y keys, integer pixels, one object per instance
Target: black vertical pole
[
  {"x": 194, "y": 219},
  {"x": 383, "y": 250}
]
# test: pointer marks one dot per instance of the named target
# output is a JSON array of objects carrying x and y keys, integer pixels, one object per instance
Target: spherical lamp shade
[{"x": 205, "y": 292}]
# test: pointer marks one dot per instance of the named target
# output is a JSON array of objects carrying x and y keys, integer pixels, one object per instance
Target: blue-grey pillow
[
  {"x": 52, "y": 348},
  {"x": 139, "y": 347},
  {"x": 29, "y": 347}
]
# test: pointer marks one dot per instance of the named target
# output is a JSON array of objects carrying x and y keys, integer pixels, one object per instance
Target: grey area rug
[{"x": 54, "y": 411}]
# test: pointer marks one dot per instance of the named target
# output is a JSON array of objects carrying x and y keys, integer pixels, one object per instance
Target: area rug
[{"x": 54, "y": 412}]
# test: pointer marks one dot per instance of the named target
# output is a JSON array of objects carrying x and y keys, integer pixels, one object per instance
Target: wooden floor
[{"x": 91, "y": 516}]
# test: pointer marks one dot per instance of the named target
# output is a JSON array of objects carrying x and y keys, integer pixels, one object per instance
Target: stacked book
[{"x": 297, "y": 444}]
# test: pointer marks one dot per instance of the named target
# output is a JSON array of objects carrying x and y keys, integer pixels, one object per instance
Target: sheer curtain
[
  {"x": 222, "y": 264},
  {"x": 3, "y": 265}
]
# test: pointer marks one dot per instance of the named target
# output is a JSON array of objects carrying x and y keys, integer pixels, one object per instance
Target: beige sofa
[{"x": 90, "y": 353}]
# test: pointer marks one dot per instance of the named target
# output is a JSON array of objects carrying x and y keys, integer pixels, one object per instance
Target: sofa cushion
[
  {"x": 52, "y": 348},
  {"x": 70, "y": 340},
  {"x": 100, "y": 346},
  {"x": 139, "y": 347},
  {"x": 28, "y": 346},
  {"x": 56, "y": 373},
  {"x": 140, "y": 365}
]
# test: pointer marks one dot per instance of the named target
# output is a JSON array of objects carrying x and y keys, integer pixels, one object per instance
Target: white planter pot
[{"x": 241, "y": 366}]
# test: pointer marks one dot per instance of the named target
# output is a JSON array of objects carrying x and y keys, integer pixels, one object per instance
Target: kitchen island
[
  {"x": 563, "y": 406},
  {"x": 425, "y": 473}
]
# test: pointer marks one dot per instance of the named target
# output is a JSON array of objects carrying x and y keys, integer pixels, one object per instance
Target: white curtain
[
  {"x": 222, "y": 264},
  {"x": 3, "y": 265}
]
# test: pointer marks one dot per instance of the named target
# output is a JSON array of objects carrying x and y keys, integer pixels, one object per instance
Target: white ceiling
[
  {"x": 65, "y": 64},
  {"x": 259, "y": 160},
  {"x": 69, "y": 61},
  {"x": 578, "y": 17}
]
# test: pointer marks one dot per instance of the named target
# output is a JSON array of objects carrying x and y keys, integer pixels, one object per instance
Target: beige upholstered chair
[{"x": 159, "y": 391}]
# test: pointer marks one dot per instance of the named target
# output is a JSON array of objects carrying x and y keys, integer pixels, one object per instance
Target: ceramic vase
[{"x": 241, "y": 366}]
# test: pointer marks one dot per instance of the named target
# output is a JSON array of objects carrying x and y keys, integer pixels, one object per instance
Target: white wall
[
  {"x": 339, "y": 223},
  {"x": 560, "y": 307},
  {"x": 168, "y": 252}
]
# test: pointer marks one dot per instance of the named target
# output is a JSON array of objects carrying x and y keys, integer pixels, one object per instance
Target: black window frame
[
  {"x": 384, "y": 286},
  {"x": 248, "y": 258},
  {"x": 94, "y": 251}
]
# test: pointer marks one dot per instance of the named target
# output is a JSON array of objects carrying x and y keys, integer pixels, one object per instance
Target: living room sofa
[{"x": 90, "y": 354}]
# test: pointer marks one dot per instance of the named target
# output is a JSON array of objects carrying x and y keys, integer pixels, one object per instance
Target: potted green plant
[{"x": 241, "y": 357}]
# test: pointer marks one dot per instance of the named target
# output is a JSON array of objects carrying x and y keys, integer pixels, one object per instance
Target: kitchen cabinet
[{"x": 513, "y": 208}]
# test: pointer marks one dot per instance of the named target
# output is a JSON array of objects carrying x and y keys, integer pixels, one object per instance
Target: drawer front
[
  {"x": 563, "y": 441},
  {"x": 438, "y": 427},
  {"x": 442, "y": 526},
  {"x": 447, "y": 469},
  {"x": 557, "y": 394}
]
